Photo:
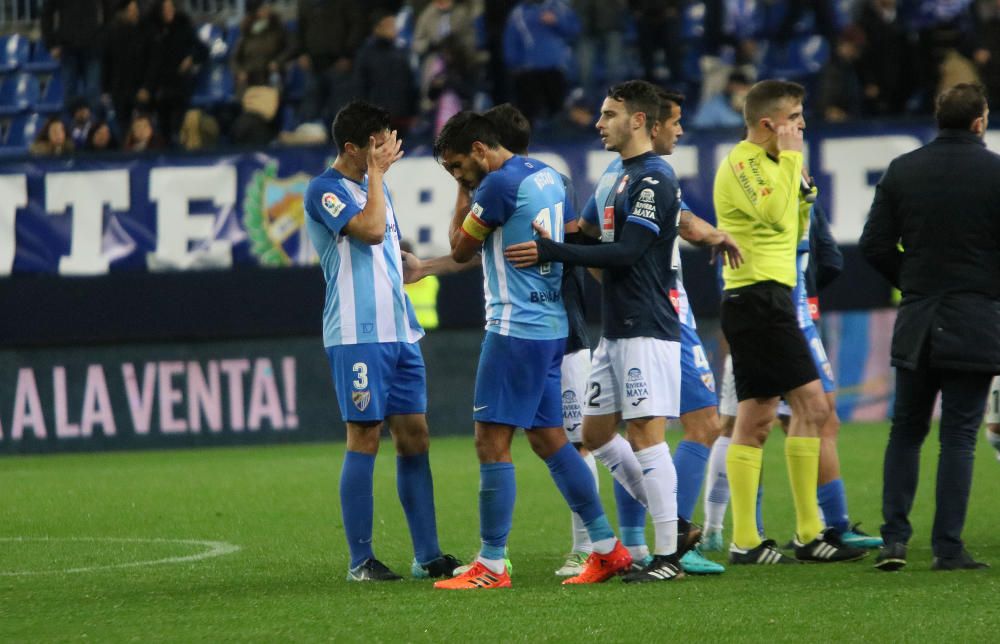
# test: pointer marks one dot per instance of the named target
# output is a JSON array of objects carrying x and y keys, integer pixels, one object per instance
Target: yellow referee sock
[
  {"x": 743, "y": 469},
  {"x": 802, "y": 456}
]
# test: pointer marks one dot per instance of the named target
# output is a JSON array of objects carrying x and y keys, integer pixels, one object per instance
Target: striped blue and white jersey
[
  {"x": 365, "y": 301},
  {"x": 522, "y": 303}
]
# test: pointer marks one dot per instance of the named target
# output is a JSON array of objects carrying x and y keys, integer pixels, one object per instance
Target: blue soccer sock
[
  {"x": 760, "y": 506},
  {"x": 690, "y": 459},
  {"x": 416, "y": 494},
  {"x": 833, "y": 502},
  {"x": 497, "y": 490},
  {"x": 631, "y": 521},
  {"x": 575, "y": 481},
  {"x": 357, "y": 505}
]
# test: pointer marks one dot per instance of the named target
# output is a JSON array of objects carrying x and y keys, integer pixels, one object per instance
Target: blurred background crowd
[{"x": 136, "y": 75}]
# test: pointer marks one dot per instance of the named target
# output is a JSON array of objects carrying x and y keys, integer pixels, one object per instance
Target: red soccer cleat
[
  {"x": 477, "y": 577},
  {"x": 601, "y": 568}
]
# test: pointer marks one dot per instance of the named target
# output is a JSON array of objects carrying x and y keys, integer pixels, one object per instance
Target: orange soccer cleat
[
  {"x": 601, "y": 568},
  {"x": 477, "y": 577}
]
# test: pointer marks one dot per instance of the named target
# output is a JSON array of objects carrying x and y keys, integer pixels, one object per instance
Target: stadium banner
[
  {"x": 91, "y": 215},
  {"x": 174, "y": 395}
]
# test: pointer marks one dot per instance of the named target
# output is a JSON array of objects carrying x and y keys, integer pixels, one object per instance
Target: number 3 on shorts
[{"x": 361, "y": 382}]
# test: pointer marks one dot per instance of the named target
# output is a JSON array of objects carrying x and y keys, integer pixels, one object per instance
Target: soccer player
[
  {"x": 993, "y": 415},
  {"x": 371, "y": 333},
  {"x": 698, "y": 399},
  {"x": 635, "y": 371},
  {"x": 518, "y": 383},
  {"x": 514, "y": 133},
  {"x": 758, "y": 200}
]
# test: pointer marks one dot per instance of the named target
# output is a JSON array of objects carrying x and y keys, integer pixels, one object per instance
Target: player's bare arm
[
  {"x": 416, "y": 269},
  {"x": 368, "y": 225},
  {"x": 699, "y": 232}
]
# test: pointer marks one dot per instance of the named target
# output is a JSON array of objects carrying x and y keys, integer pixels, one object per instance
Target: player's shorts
[
  {"x": 770, "y": 353},
  {"x": 640, "y": 377},
  {"x": 993, "y": 403},
  {"x": 727, "y": 398},
  {"x": 575, "y": 371},
  {"x": 697, "y": 379},
  {"x": 519, "y": 382},
  {"x": 822, "y": 365},
  {"x": 378, "y": 379}
]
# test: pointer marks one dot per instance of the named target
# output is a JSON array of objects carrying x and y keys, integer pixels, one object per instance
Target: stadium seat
[
  {"x": 213, "y": 37},
  {"x": 802, "y": 57},
  {"x": 295, "y": 84},
  {"x": 41, "y": 60},
  {"x": 19, "y": 131},
  {"x": 14, "y": 51},
  {"x": 17, "y": 93},
  {"x": 214, "y": 85},
  {"x": 51, "y": 96}
]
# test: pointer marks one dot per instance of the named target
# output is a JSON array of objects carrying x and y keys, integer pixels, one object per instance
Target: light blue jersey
[
  {"x": 803, "y": 310},
  {"x": 523, "y": 303},
  {"x": 365, "y": 301}
]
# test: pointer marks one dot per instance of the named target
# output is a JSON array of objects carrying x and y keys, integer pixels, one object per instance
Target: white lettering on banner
[
  {"x": 264, "y": 399},
  {"x": 234, "y": 370},
  {"x": 86, "y": 193},
  {"x": 27, "y": 406},
  {"x": 64, "y": 428},
  {"x": 13, "y": 195},
  {"x": 204, "y": 397},
  {"x": 173, "y": 189},
  {"x": 96, "y": 403},
  {"x": 849, "y": 161},
  {"x": 140, "y": 401},
  {"x": 170, "y": 396},
  {"x": 424, "y": 196}
]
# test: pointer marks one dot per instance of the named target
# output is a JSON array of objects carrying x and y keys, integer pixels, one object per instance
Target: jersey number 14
[{"x": 553, "y": 228}]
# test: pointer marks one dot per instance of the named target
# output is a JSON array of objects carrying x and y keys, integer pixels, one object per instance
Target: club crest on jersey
[
  {"x": 621, "y": 186},
  {"x": 709, "y": 381},
  {"x": 827, "y": 369},
  {"x": 361, "y": 399},
  {"x": 635, "y": 384}
]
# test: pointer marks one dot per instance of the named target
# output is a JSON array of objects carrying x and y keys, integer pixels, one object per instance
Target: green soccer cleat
[
  {"x": 712, "y": 541},
  {"x": 854, "y": 537},
  {"x": 574, "y": 564},
  {"x": 695, "y": 563},
  {"x": 461, "y": 570}
]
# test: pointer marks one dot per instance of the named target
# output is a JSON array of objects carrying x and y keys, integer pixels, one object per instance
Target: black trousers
[{"x": 963, "y": 402}]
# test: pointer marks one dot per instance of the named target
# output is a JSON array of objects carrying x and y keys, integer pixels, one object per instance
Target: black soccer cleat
[
  {"x": 372, "y": 570},
  {"x": 827, "y": 548},
  {"x": 891, "y": 556},
  {"x": 765, "y": 554},
  {"x": 443, "y": 566},
  {"x": 688, "y": 536},
  {"x": 661, "y": 568},
  {"x": 963, "y": 561}
]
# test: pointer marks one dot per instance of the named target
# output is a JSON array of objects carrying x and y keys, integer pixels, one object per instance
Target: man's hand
[
  {"x": 412, "y": 268},
  {"x": 789, "y": 137},
  {"x": 381, "y": 157},
  {"x": 525, "y": 254},
  {"x": 728, "y": 251}
]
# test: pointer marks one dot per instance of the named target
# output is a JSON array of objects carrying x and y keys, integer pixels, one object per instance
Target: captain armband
[{"x": 474, "y": 227}]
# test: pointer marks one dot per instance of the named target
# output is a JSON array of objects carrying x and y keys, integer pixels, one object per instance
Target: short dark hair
[
  {"x": 462, "y": 130},
  {"x": 957, "y": 107},
  {"x": 512, "y": 127},
  {"x": 764, "y": 95},
  {"x": 356, "y": 122},
  {"x": 638, "y": 96},
  {"x": 667, "y": 100}
]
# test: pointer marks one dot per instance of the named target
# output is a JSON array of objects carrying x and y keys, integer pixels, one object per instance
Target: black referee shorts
[{"x": 769, "y": 350}]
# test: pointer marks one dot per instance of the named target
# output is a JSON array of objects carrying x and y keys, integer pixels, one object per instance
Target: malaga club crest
[
  {"x": 361, "y": 399},
  {"x": 274, "y": 216}
]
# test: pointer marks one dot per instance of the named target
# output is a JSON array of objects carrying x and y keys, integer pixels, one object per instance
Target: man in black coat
[
  {"x": 934, "y": 233},
  {"x": 72, "y": 31}
]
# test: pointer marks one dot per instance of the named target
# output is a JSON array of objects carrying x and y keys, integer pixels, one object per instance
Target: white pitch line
[{"x": 214, "y": 549}]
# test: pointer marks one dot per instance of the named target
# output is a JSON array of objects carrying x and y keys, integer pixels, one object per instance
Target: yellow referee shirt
[{"x": 758, "y": 202}]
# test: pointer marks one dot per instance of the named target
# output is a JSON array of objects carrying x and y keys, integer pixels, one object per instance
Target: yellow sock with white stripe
[
  {"x": 802, "y": 457},
  {"x": 743, "y": 467}
]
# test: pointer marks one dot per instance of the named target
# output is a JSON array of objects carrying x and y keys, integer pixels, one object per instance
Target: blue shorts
[
  {"x": 697, "y": 379},
  {"x": 819, "y": 357},
  {"x": 519, "y": 382},
  {"x": 378, "y": 379}
]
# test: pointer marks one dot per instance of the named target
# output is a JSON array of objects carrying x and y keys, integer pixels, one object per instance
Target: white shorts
[
  {"x": 575, "y": 370},
  {"x": 993, "y": 403},
  {"x": 640, "y": 377},
  {"x": 727, "y": 397}
]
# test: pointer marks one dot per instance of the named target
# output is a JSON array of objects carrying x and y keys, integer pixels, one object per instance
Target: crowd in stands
[{"x": 144, "y": 75}]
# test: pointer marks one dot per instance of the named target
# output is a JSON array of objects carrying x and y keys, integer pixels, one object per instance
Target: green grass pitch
[{"x": 286, "y": 582}]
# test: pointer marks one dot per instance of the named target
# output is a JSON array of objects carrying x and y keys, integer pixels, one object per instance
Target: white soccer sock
[
  {"x": 617, "y": 456},
  {"x": 717, "y": 496},
  {"x": 494, "y": 565},
  {"x": 660, "y": 481},
  {"x": 581, "y": 538}
]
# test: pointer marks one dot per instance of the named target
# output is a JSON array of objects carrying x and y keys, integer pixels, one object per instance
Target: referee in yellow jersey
[{"x": 762, "y": 199}]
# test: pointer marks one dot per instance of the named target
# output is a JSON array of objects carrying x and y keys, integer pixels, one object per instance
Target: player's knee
[
  {"x": 546, "y": 442},
  {"x": 363, "y": 438},
  {"x": 818, "y": 410},
  {"x": 410, "y": 435}
]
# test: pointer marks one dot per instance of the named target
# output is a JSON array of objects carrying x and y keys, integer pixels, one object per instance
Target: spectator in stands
[
  {"x": 537, "y": 48},
  {"x": 262, "y": 49},
  {"x": 256, "y": 125},
  {"x": 52, "y": 139},
  {"x": 330, "y": 32},
  {"x": 725, "y": 109},
  {"x": 176, "y": 52},
  {"x": 441, "y": 18},
  {"x": 987, "y": 54},
  {"x": 658, "y": 33},
  {"x": 384, "y": 76},
  {"x": 840, "y": 83},
  {"x": 126, "y": 63},
  {"x": 142, "y": 136},
  {"x": 199, "y": 131},
  {"x": 452, "y": 80},
  {"x": 101, "y": 138},
  {"x": 946, "y": 40},
  {"x": 81, "y": 120},
  {"x": 602, "y": 37},
  {"x": 72, "y": 32},
  {"x": 886, "y": 65}
]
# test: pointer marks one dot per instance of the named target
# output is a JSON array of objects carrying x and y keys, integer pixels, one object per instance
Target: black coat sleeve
[
  {"x": 879, "y": 241},
  {"x": 635, "y": 239},
  {"x": 826, "y": 257}
]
